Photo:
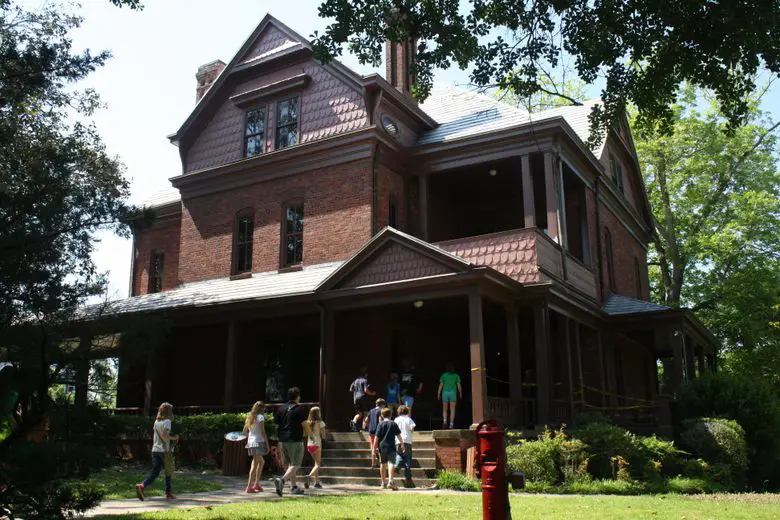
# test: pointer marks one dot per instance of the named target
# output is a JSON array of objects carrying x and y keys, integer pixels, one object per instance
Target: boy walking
[
  {"x": 388, "y": 435},
  {"x": 404, "y": 457},
  {"x": 372, "y": 423},
  {"x": 361, "y": 391},
  {"x": 289, "y": 419},
  {"x": 410, "y": 387}
]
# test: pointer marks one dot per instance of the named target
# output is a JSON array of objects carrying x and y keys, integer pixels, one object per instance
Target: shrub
[
  {"x": 721, "y": 443},
  {"x": 753, "y": 403},
  {"x": 457, "y": 481},
  {"x": 553, "y": 458},
  {"x": 692, "y": 486},
  {"x": 661, "y": 455},
  {"x": 606, "y": 442}
]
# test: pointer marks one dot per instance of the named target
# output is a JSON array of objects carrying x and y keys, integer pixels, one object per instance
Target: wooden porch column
[
  {"x": 82, "y": 370},
  {"x": 690, "y": 358},
  {"x": 327, "y": 329},
  {"x": 477, "y": 352},
  {"x": 551, "y": 197},
  {"x": 230, "y": 364},
  {"x": 513, "y": 348},
  {"x": 602, "y": 370},
  {"x": 422, "y": 196},
  {"x": 567, "y": 343},
  {"x": 529, "y": 208},
  {"x": 676, "y": 342},
  {"x": 702, "y": 362},
  {"x": 541, "y": 344}
]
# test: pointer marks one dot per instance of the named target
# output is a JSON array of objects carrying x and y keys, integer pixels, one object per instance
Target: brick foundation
[{"x": 452, "y": 448}]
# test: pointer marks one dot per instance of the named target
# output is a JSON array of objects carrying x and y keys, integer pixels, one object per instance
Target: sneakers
[
  {"x": 139, "y": 491},
  {"x": 251, "y": 489},
  {"x": 317, "y": 486},
  {"x": 391, "y": 485},
  {"x": 170, "y": 496},
  {"x": 296, "y": 491},
  {"x": 279, "y": 485},
  {"x": 258, "y": 488},
  {"x": 306, "y": 481},
  {"x": 384, "y": 485}
]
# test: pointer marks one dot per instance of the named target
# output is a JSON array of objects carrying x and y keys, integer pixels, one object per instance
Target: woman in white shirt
[
  {"x": 314, "y": 428},
  {"x": 256, "y": 445}
]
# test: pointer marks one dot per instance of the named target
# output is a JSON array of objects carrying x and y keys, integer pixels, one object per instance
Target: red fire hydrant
[{"x": 491, "y": 468}]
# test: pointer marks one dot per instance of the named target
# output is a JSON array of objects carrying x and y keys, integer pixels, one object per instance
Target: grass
[
  {"x": 404, "y": 506},
  {"x": 120, "y": 483}
]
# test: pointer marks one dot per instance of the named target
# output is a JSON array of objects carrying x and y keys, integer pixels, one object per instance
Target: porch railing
[
  {"x": 513, "y": 413},
  {"x": 204, "y": 409}
]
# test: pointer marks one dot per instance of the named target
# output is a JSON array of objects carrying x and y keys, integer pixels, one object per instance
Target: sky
[{"x": 149, "y": 84}]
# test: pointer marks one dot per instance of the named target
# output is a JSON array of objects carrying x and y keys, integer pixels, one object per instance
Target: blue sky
[{"x": 149, "y": 84}]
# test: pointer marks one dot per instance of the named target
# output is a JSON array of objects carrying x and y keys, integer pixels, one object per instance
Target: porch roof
[{"x": 617, "y": 304}]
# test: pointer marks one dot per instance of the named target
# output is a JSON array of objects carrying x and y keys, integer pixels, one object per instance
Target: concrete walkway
[{"x": 232, "y": 492}]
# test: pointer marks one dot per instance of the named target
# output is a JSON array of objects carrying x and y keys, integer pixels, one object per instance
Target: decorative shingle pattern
[
  {"x": 327, "y": 107},
  {"x": 512, "y": 253},
  {"x": 618, "y": 304},
  {"x": 392, "y": 263},
  {"x": 270, "y": 42}
]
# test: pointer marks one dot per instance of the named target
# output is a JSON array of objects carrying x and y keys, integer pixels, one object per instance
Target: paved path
[{"x": 232, "y": 492}]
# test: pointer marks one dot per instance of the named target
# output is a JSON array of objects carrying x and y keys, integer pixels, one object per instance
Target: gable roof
[{"x": 617, "y": 304}]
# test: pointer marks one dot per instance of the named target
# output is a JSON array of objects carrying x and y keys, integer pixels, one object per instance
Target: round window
[{"x": 390, "y": 126}]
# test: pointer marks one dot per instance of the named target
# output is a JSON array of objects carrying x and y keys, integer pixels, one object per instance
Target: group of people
[
  {"x": 293, "y": 424},
  {"x": 402, "y": 391},
  {"x": 390, "y": 441}
]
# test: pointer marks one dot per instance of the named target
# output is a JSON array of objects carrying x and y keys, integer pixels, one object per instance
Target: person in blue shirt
[{"x": 393, "y": 393}]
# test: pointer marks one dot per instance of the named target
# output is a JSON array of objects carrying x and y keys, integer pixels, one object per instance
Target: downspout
[
  {"x": 598, "y": 237},
  {"x": 132, "y": 268}
]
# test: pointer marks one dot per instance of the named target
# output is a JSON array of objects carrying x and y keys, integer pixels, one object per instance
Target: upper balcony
[{"x": 527, "y": 217}]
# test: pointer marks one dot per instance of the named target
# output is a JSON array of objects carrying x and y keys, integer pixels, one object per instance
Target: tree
[
  {"x": 557, "y": 93},
  {"x": 644, "y": 49},
  {"x": 716, "y": 203},
  {"x": 58, "y": 186}
]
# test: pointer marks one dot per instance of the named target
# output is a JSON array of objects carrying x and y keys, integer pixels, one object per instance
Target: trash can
[{"x": 234, "y": 455}]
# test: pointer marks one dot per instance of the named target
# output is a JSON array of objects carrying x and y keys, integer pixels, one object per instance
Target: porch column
[
  {"x": 551, "y": 196},
  {"x": 541, "y": 344},
  {"x": 567, "y": 343},
  {"x": 602, "y": 370},
  {"x": 702, "y": 362},
  {"x": 230, "y": 364},
  {"x": 327, "y": 324},
  {"x": 422, "y": 196},
  {"x": 676, "y": 341},
  {"x": 690, "y": 359},
  {"x": 529, "y": 208},
  {"x": 513, "y": 347},
  {"x": 151, "y": 369},
  {"x": 82, "y": 370},
  {"x": 477, "y": 352}
]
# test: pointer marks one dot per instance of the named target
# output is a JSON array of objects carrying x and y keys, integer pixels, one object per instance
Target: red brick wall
[
  {"x": 451, "y": 454},
  {"x": 337, "y": 209},
  {"x": 626, "y": 250},
  {"x": 165, "y": 237},
  {"x": 391, "y": 186}
]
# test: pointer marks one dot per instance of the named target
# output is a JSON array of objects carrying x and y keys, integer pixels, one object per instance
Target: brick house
[{"x": 324, "y": 220}]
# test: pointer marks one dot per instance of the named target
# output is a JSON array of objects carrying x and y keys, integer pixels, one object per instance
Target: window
[
  {"x": 292, "y": 239},
  {"x": 392, "y": 214},
  {"x": 156, "y": 271},
  {"x": 616, "y": 170},
  {"x": 245, "y": 226},
  {"x": 287, "y": 123},
  {"x": 638, "y": 276},
  {"x": 255, "y": 132},
  {"x": 610, "y": 260}
]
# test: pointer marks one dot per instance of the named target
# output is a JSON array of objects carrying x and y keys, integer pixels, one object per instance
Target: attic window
[
  {"x": 617, "y": 172},
  {"x": 390, "y": 126},
  {"x": 255, "y": 132}
]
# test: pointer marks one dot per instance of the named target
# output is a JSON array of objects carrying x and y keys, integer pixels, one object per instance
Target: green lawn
[
  {"x": 120, "y": 483},
  {"x": 468, "y": 505}
]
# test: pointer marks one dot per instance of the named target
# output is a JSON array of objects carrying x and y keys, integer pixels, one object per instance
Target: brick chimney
[
  {"x": 398, "y": 59},
  {"x": 206, "y": 75}
]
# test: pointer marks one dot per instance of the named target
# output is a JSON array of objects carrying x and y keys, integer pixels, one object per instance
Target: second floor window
[
  {"x": 255, "y": 132},
  {"x": 610, "y": 260},
  {"x": 245, "y": 227},
  {"x": 617, "y": 172},
  {"x": 292, "y": 236},
  {"x": 287, "y": 123},
  {"x": 156, "y": 271}
]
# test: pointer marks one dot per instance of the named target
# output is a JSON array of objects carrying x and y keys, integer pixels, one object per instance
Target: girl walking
[
  {"x": 314, "y": 428},
  {"x": 162, "y": 452},
  {"x": 256, "y": 445}
]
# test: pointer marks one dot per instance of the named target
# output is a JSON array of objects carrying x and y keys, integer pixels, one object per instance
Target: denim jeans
[
  {"x": 158, "y": 461},
  {"x": 404, "y": 460}
]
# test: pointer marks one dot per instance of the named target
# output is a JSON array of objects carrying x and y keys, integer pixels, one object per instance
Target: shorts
[
  {"x": 363, "y": 404},
  {"x": 292, "y": 453},
  {"x": 387, "y": 455},
  {"x": 408, "y": 400},
  {"x": 449, "y": 397},
  {"x": 257, "y": 452},
  {"x": 312, "y": 448}
]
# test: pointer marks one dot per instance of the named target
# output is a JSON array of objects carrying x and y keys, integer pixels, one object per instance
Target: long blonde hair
[
  {"x": 312, "y": 424},
  {"x": 165, "y": 411},
  {"x": 251, "y": 417}
]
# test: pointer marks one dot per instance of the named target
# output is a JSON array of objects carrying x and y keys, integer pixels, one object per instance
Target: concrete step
[
  {"x": 426, "y": 463},
  {"x": 345, "y": 445},
  {"x": 363, "y": 436},
  {"x": 367, "y": 472},
  {"x": 375, "y": 482},
  {"x": 365, "y": 453}
]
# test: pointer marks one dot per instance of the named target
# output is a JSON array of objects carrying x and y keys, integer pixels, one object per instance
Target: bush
[
  {"x": 721, "y": 443},
  {"x": 457, "y": 481},
  {"x": 658, "y": 456},
  {"x": 754, "y": 404},
  {"x": 605, "y": 443},
  {"x": 553, "y": 458}
]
